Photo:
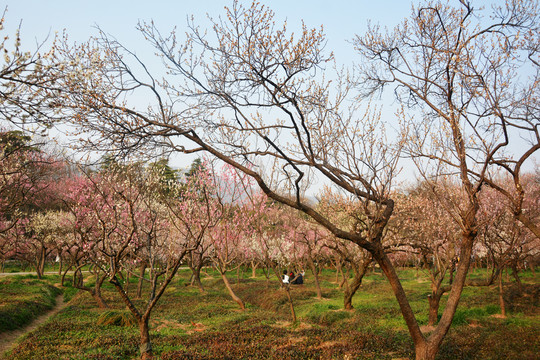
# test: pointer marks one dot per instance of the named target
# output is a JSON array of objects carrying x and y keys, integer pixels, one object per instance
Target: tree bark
[
  {"x": 529, "y": 224},
  {"x": 142, "y": 272},
  {"x": 96, "y": 293},
  {"x": 313, "y": 268},
  {"x": 291, "y": 304},
  {"x": 388, "y": 269},
  {"x": 426, "y": 351},
  {"x": 515, "y": 274},
  {"x": 40, "y": 264},
  {"x": 351, "y": 288},
  {"x": 501, "y": 296},
  {"x": 344, "y": 277},
  {"x": 64, "y": 274},
  {"x": 253, "y": 269},
  {"x": 196, "y": 279},
  {"x": 146, "y": 345},
  {"x": 239, "y": 301},
  {"x": 434, "y": 303}
]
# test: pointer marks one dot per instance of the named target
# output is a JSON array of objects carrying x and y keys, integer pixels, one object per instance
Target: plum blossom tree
[
  {"x": 310, "y": 240},
  {"x": 193, "y": 210},
  {"x": 29, "y": 187},
  {"x": 120, "y": 211},
  {"x": 248, "y": 94},
  {"x": 28, "y": 79},
  {"x": 427, "y": 231},
  {"x": 267, "y": 224},
  {"x": 345, "y": 212},
  {"x": 203, "y": 213},
  {"x": 231, "y": 235},
  {"x": 24, "y": 172},
  {"x": 460, "y": 73},
  {"x": 505, "y": 240},
  {"x": 45, "y": 231}
]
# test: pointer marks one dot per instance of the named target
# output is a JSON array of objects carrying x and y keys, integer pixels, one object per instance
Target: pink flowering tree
[
  {"x": 120, "y": 222},
  {"x": 309, "y": 243},
  {"x": 506, "y": 241},
  {"x": 348, "y": 214},
  {"x": 230, "y": 237},
  {"x": 196, "y": 211},
  {"x": 29, "y": 187},
  {"x": 426, "y": 231},
  {"x": 267, "y": 228}
]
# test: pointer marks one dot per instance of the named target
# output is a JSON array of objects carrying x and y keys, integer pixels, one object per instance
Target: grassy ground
[
  {"x": 190, "y": 325},
  {"x": 22, "y": 299}
]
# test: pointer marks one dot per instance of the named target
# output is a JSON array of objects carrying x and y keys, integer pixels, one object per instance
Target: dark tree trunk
[
  {"x": 40, "y": 263},
  {"x": 338, "y": 271},
  {"x": 434, "y": 303},
  {"x": 354, "y": 285},
  {"x": 64, "y": 274},
  {"x": 145, "y": 346},
  {"x": 426, "y": 351},
  {"x": 233, "y": 295},
  {"x": 344, "y": 278},
  {"x": 313, "y": 268},
  {"x": 95, "y": 291},
  {"x": 142, "y": 272},
  {"x": 433, "y": 317},
  {"x": 350, "y": 290},
  {"x": 77, "y": 277},
  {"x": 99, "y": 299},
  {"x": 287, "y": 288},
  {"x": 515, "y": 274},
  {"x": 501, "y": 296},
  {"x": 253, "y": 269},
  {"x": 196, "y": 278}
]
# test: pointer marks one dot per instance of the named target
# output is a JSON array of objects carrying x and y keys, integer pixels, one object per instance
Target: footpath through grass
[
  {"x": 190, "y": 325},
  {"x": 24, "y": 298}
]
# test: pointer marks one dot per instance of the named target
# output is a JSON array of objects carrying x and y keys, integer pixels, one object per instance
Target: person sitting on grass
[
  {"x": 285, "y": 277},
  {"x": 299, "y": 280}
]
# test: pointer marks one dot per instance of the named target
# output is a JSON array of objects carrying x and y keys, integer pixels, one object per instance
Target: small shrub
[
  {"x": 117, "y": 318},
  {"x": 492, "y": 309}
]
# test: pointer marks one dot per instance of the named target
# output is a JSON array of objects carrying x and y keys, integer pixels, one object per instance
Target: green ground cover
[
  {"x": 190, "y": 325},
  {"x": 23, "y": 298}
]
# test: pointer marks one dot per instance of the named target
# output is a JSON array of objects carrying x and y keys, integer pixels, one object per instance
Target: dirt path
[{"x": 9, "y": 338}]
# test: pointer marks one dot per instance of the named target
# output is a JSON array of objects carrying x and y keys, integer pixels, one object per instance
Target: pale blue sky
[{"x": 341, "y": 19}]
